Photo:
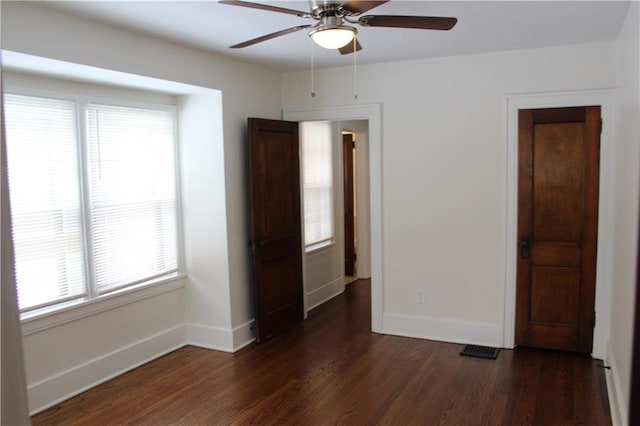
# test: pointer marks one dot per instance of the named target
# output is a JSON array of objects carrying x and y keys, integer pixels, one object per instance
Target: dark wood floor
[{"x": 332, "y": 370}]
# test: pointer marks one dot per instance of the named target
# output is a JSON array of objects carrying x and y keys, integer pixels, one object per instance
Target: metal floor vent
[{"x": 480, "y": 351}]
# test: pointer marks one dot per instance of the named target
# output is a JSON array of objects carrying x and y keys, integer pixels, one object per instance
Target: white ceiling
[{"x": 483, "y": 26}]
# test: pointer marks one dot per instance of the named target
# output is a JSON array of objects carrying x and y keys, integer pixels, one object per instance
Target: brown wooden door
[
  {"x": 349, "y": 216},
  {"x": 558, "y": 176},
  {"x": 276, "y": 241}
]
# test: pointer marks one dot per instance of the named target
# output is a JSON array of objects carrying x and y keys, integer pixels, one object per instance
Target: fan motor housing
[{"x": 323, "y": 9}]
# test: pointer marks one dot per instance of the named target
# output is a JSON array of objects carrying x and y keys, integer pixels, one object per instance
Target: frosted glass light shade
[{"x": 333, "y": 38}]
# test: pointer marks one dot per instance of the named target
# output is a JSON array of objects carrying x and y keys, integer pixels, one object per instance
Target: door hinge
[
  {"x": 355, "y": 257},
  {"x": 353, "y": 144},
  {"x": 601, "y": 125}
]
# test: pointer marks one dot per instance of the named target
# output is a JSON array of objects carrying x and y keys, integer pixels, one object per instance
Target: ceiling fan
[{"x": 331, "y": 31}]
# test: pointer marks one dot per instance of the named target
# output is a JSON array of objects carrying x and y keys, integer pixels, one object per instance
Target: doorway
[
  {"x": 356, "y": 146},
  {"x": 370, "y": 113},
  {"x": 558, "y": 186},
  {"x": 348, "y": 181},
  {"x": 514, "y": 103}
]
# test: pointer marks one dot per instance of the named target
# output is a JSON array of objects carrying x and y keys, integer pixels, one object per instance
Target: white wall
[
  {"x": 63, "y": 359},
  {"x": 444, "y": 175},
  {"x": 627, "y": 158}
]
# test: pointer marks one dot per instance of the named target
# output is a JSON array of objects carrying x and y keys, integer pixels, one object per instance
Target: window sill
[
  {"x": 315, "y": 248},
  {"x": 33, "y": 322}
]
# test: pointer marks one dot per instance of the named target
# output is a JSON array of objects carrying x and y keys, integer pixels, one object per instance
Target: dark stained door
[
  {"x": 276, "y": 241},
  {"x": 558, "y": 175},
  {"x": 349, "y": 214}
]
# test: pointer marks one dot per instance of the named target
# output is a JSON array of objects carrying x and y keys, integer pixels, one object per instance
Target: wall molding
[
  {"x": 617, "y": 405},
  {"x": 243, "y": 335},
  {"x": 209, "y": 337},
  {"x": 443, "y": 329},
  {"x": 82, "y": 377},
  {"x": 328, "y": 291}
]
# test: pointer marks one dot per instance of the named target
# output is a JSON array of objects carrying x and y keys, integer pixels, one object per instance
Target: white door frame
[
  {"x": 371, "y": 113},
  {"x": 604, "y": 98}
]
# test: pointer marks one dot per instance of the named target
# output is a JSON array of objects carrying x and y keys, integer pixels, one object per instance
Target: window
[
  {"x": 318, "y": 183},
  {"x": 93, "y": 210}
]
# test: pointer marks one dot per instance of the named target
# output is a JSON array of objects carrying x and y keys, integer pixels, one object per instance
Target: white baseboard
[
  {"x": 328, "y": 291},
  {"x": 62, "y": 386},
  {"x": 220, "y": 339},
  {"x": 243, "y": 335},
  {"x": 206, "y": 336},
  {"x": 443, "y": 330},
  {"x": 617, "y": 404}
]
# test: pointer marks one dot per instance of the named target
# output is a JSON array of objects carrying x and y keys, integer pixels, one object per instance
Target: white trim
[
  {"x": 319, "y": 247},
  {"x": 67, "y": 384},
  {"x": 617, "y": 404},
  {"x": 54, "y": 318},
  {"x": 326, "y": 292},
  {"x": 604, "y": 98},
  {"x": 210, "y": 337},
  {"x": 243, "y": 335},
  {"x": 443, "y": 330},
  {"x": 372, "y": 113}
]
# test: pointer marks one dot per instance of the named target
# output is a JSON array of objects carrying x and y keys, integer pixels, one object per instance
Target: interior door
[
  {"x": 558, "y": 175},
  {"x": 276, "y": 240},
  {"x": 349, "y": 214}
]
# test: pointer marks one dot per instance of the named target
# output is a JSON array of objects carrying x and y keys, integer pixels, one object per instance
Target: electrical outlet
[{"x": 420, "y": 295}]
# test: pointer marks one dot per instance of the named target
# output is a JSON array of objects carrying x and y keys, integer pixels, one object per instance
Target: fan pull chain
[
  {"x": 355, "y": 67},
  {"x": 313, "y": 93}
]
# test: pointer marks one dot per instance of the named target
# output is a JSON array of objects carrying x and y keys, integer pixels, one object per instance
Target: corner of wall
[{"x": 218, "y": 338}]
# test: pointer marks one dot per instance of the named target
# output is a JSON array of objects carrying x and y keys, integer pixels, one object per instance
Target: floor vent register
[{"x": 480, "y": 351}]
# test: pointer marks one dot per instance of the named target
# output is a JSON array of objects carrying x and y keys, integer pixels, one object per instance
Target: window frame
[
  {"x": 330, "y": 241},
  {"x": 41, "y": 317}
]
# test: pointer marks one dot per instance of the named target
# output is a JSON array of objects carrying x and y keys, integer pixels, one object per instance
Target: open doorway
[
  {"x": 356, "y": 200},
  {"x": 348, "y": 184},
  {"x": 370, "y": 114},
  {"x": 330, "y": 200}
]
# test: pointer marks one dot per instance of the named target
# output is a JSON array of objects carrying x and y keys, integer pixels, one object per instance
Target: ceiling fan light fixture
[{"x": 333, "y": 37}]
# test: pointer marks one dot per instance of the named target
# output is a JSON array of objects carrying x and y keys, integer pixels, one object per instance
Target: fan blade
[
  {"x": 357, "y": 7},
  {"x": 269, "y": 36},
  {"x": 265, "y": 7},
  {"x": 419, "y": 22},
  {"x": 348, "y": 48}
]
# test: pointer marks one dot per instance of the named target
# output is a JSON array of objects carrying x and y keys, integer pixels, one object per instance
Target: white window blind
[
  {"x": 92, "y": 211},
  {"x": 318, "y": 182},
  {"x": 132, "y": 194},
  {"x": 42, "y": 159}
]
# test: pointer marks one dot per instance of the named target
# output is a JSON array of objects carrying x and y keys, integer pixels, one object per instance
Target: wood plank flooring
[{"x": 332, "y": 370}]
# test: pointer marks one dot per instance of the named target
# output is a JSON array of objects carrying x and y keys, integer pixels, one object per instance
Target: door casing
[
  {"x": 604, "y": 98},
  {"x": 371, "y": 113}
]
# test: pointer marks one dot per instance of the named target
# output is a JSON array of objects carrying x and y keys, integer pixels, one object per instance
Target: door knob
[{"x": 525, "y": 247}]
